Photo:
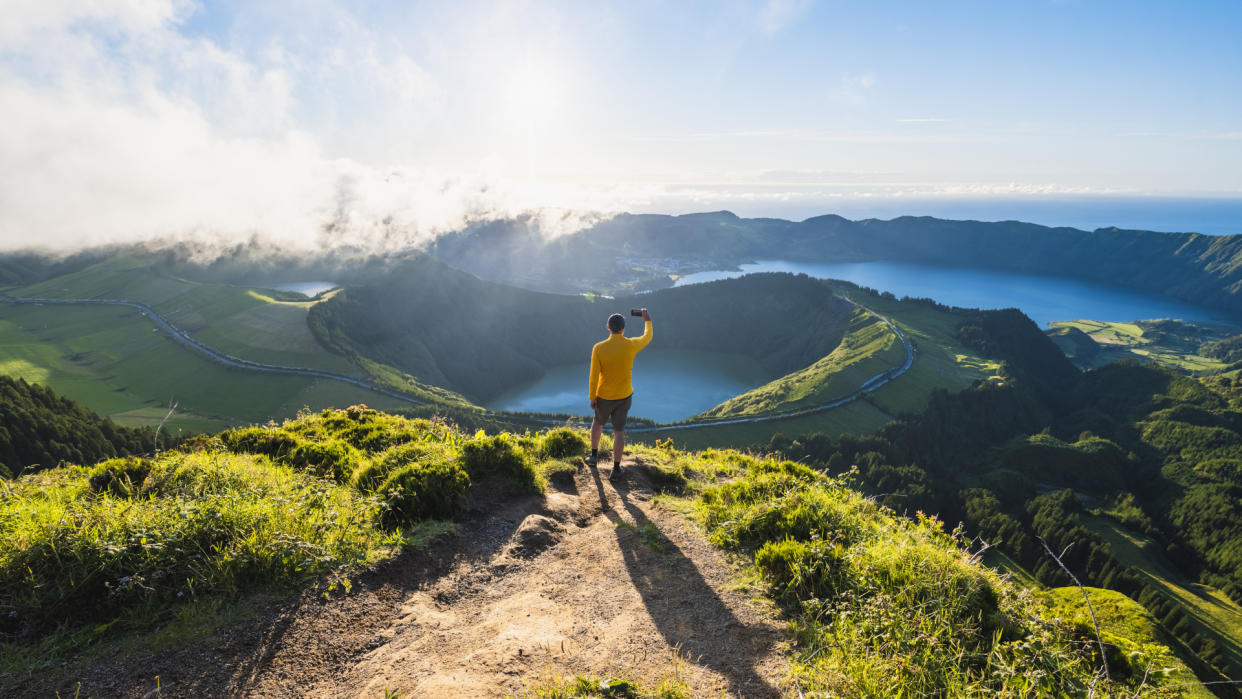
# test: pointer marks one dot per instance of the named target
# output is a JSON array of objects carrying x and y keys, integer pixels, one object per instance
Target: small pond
[{"x": 309, "y": 289}]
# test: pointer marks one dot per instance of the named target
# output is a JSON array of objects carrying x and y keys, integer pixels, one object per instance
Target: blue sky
[{"x": 398, "y": 120}]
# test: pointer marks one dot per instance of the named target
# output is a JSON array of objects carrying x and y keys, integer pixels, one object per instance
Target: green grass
[
  {"x": 1129, "y": 632},
  {"x": 859, "y": 417},
  {"x": 884, "y": 606},
  {"x": 131, "y": 544},
  {"x": 131, "y": 541},
  {"x": 112, "y": 360},
  {"x": 236, "y": 320},
  {"x": 868, "y": 348},
  {"x": 1127, "y": 340},
  {"x": 1214, "y": 614}
]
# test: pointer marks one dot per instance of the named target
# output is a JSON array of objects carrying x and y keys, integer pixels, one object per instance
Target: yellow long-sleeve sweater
[{"x": 612, "y": 364}]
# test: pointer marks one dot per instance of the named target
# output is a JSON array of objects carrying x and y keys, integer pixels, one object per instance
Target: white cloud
[
  {"x": 118, "y": 128},
  {"x": 23, "y": 20},
  {"x": 775, "y": 14},
  {"x": 853, "y": 88}
]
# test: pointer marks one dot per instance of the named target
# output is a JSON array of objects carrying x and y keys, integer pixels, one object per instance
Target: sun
[
  {"x": 533, "y": 90},
  {"x": 533, "y": 98}
]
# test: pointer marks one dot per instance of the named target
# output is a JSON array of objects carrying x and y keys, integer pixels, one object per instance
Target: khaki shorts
[{"x": 614, "y": 410}]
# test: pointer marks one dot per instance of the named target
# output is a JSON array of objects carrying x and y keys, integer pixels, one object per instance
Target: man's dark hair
[{"x": 616, "y": 322}]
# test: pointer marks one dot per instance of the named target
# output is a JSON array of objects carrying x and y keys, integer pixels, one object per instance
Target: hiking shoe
[
  {"x": 591, "y": 460},
  {"x": 616, "y": 473}
]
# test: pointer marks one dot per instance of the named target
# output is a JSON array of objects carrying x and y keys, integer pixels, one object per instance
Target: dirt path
[
  {"x": 591, "y": 579},
  {"x": 618, "y": 586}
]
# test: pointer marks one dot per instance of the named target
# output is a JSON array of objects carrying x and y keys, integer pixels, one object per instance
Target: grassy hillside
[
  {"x": 1128, "y": 629},
  {"x": 889, "y": 606},
  {"x": 1034, "y": 456},
  {"x": 876, "y": 603},
  {"x": 1211, "y": 613},
  {"x": 869, "y": 348},
  {"x": 241, "y": 321},
  {"x": 113, "y": 361}
]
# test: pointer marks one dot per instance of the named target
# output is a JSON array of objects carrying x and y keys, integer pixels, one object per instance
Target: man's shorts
[{"x": 615, "y": 410}]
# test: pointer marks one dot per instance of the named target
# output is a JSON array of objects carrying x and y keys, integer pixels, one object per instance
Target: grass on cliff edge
[
  {"x": 885, "y": 606},
  {"x": 876, "y": 603},
  {"x": 131, "y": 544}
]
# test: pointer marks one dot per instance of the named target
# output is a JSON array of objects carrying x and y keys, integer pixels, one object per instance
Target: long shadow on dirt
[{"x": 685, "y": 608}]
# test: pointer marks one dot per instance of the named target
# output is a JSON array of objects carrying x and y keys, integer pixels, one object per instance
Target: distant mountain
[{"x": 645, "y": 250}]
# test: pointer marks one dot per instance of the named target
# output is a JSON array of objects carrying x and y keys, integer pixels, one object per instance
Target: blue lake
[
  {"x": 672, "y": 385},
  {"x": 669, "y": 385},
  {"x": 1044, "y": 299}
]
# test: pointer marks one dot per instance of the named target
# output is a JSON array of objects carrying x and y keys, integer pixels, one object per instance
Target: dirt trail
[
  {"x": 592, "y": 578},
  {"x": 603, "y": 582}
]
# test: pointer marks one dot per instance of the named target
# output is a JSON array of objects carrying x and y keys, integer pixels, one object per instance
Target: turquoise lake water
[
  {"x": 1044, "y": 299},
  {"x": 669, "y": 385}
]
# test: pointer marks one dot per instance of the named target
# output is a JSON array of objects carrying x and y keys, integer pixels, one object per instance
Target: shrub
[
  {"x": 259, "y": 440},
  {"x": 562, "y": 442},
  {"x": 424, "y": 491},
  {"x": 799, "y": 571},
  {"x": 500, "y": 456},
  {"x": 331, "y": 459},
  {"x": 121, "y": 477},
  {"x": 372, "y": 473}
]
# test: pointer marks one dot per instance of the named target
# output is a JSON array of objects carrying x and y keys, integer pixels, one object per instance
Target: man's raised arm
[{"x": 646, "y": 338}]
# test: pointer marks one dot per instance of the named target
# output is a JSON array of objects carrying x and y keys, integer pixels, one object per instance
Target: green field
[
  {"x": 236, "y": 320},
  {"x": 114, "y": 361},
  {"x": 1118, "y": 341},
  {"x": 1215, "y": 615}
]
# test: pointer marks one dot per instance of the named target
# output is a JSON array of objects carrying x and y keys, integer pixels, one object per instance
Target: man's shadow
[{"x": 686, "y": 610}]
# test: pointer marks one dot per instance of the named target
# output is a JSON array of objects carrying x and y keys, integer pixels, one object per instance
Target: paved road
[
  {"x": 872, "y": 384},
  {"x": 184, "y": 338},
  {"x": 213, "y": 354}
]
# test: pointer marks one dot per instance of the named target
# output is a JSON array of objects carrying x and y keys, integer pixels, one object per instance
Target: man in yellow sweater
[{"x": 611, "y": 389}]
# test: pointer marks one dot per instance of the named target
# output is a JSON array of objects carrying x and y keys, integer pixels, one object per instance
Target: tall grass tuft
[{"x": 119, "y": 544}]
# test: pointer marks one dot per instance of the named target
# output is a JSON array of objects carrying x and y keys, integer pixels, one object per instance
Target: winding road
[
  {"x": 868, "y": 386},
  {"x": 213, "y": 354}
]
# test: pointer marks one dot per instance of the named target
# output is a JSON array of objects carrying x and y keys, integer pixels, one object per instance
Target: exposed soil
[{"x": 593, "y": 578}]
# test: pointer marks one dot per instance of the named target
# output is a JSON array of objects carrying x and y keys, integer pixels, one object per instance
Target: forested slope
[
  {"x": 1051, "y": 453},
  {"x": 40, "y": 429}
]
